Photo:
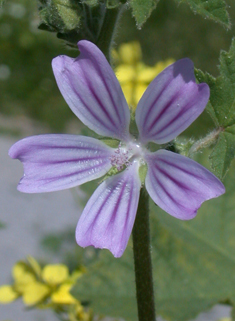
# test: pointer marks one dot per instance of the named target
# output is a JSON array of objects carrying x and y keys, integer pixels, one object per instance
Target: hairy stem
[
  {"x": 142, "y": 260},
  {"x": 210, "y": 139},
  {"x": 107, "y": 31}
]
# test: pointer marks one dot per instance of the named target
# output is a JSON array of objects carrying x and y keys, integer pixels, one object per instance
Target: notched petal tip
[
  {"x": 180, "y": 185},
  {"x": 108, "y": 218},
  {"x": 92, "y": 91},
  {"x": 171, "y": 103}
]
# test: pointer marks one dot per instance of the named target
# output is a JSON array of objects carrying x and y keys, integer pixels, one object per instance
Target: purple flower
[{"x": 176, "y": 183}]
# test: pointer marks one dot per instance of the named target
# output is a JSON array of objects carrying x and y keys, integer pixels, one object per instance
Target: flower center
[{"x": 125, "y": 154}]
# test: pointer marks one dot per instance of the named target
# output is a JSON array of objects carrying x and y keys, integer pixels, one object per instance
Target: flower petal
[
  {"x": 55, "y": 162},
  {"x": 92, "y": 91},
  {"x": 178, "y": 184},
  {"x": 109, "y": 215},
  {"x": 171, "y": 103}
]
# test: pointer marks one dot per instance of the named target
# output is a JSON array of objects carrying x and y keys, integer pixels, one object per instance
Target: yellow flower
[
  {"x": 63, "y": 296},
  {"x": 133, "y": 75},
  {"x": 35, "y": 292},
  {"x": 55, "y": 273},
  {"x": 7, "y": 294},
  {"x": 45, "y": 288},
  {"x": 130, "y": 53},
  {"x": 22, "y": 276}
]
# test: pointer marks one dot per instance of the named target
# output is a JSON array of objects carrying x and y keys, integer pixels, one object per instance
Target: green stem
[
  {"x": 107, "y": 31},
  {"x": 207, "y": 141},
  {"x": 142, "y": 260}
]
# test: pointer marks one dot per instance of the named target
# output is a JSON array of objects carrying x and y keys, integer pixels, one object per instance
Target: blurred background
[
  {"x": 27, "y": 85},
  {"x": 30, "y": 103}
]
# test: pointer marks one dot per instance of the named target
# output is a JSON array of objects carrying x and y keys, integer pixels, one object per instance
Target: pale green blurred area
[{"x": 27, "y": 84}]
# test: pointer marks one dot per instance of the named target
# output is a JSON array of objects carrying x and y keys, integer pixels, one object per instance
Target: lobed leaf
[
  {"x": 223, "y": 153},
  {"x": 109, "y": 286},
  {"x": 222, "y": 110},
  {"x": 210, "y": 9},
  {"x": 193, "y": 265}
]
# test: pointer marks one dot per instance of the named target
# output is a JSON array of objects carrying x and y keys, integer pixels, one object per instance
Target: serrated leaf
[
  {"x": 210, "y": 9},
  {"x": 223, "y": 154},
  {"x": 141, "y": 10},
  {"x": 193, "y": 263},
  {"x": 222, "y": 88},
  {"x": 222, "y": 110}
]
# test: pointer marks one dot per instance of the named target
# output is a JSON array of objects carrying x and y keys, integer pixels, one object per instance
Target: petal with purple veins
[
  {"x": 92, "y": 91},
  {"x": 178, "y": 184},
  {"x": 171, "y": 103},
  {"x": 56, "y": 162},
  {"x": 108, "y": 218}
]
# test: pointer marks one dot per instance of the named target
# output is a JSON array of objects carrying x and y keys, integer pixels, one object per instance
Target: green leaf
[
  {"x": 223, "y": 153},
  {"x": 109, "y": 286},
  {"x": 210, "y": 9},
  {"x": 222, "y": 89},
  {"x": 141, "y": 10},
  {"x": 222, "y": 110},
  {"x": 197, "y": 257},
  {"x": 193, "y": 262}
]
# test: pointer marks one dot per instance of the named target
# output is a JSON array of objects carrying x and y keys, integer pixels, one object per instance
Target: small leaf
[
  {"x": 141, "y": 10},
  {"x": 210, "y": 9},
  {"x": 223, "y": 154}
]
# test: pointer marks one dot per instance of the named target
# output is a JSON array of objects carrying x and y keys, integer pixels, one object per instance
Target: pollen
[
  {"x": 120, "y": 158},
  {"x": 124, "y": 155}
]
